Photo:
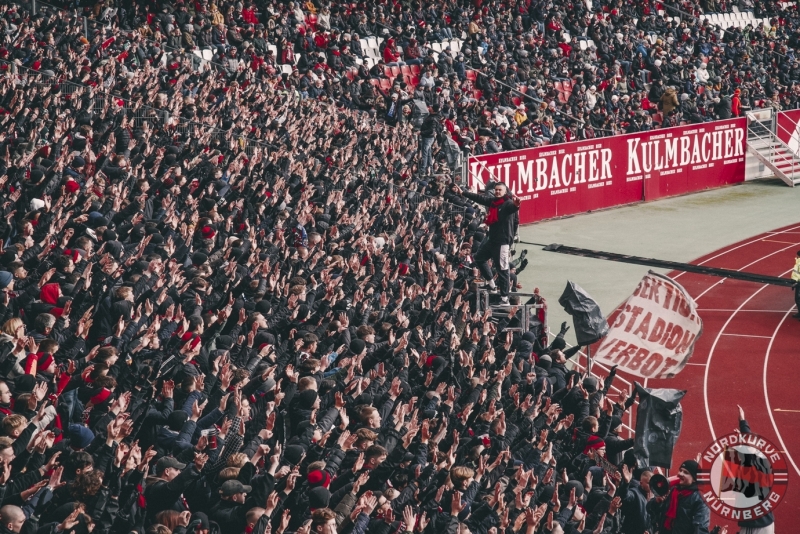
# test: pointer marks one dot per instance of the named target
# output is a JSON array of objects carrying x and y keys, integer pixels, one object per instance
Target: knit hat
[
  {"x": 319, "y": 478},
  {"x": 357, "y": 346},
  {"x": 176, "y": 419},
  {"x": 590, "y": 384},
  {"x": 318, "y": 498},
  {"x": 5, "y": 279},
  {"x": 79, "y": 436},
  {"x": 594, "y": 444},
  {"x": 293, "y": 453},
  {"x": 692, "y": 467},
  {"x": 307, "y": 398}
]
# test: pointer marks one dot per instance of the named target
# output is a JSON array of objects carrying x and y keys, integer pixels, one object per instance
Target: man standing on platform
[{"x": 502, "y": 227}]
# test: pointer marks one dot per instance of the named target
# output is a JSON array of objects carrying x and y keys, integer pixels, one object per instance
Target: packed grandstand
[{"x": 241, "y": 292}]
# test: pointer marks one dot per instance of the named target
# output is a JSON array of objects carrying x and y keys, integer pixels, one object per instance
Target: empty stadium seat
[
  {"x": 405, "y": 70},
  {"x": 472, "y": 75},
  {"x": 415, "y": 70},
  {"x": 477, "y": 94}
]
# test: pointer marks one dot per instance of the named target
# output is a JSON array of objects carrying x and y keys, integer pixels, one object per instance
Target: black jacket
[
  {"x": 501, "y": 232},
  {"x": 634, "y": 508}
]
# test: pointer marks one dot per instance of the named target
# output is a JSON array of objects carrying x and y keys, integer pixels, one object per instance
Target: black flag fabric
[
  {"x": 658, "y": 425},
  {"x": 590, "y": 325}
]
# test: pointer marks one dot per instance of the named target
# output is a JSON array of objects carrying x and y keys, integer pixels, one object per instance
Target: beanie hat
[
  {"x": 176, "y": 419},
  {"x": 590, "y": 384},
  {"x": 199, "y": 258},
  {"x": 319, "y": 478},
  {"x": 545, "y": 362},
  {"x": 594, "y": 444},
  {"x": 5, "y": 279},
  {"x": 692, "y": 467},
  {"x": 357, "y": 346},
  {"x": 318, "y": 498},
  {"x": 307, "y": 398},
  {"x": 224, "y": 342},
  {"x": 293, "y": 453},
  {"x": 79, "y": 436}
]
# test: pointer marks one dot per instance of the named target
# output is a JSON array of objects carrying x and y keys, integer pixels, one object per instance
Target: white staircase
[{"x": 772, "y": 152}]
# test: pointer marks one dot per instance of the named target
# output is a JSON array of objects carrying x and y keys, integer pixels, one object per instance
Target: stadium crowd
[{"x": 232, "y": 301}]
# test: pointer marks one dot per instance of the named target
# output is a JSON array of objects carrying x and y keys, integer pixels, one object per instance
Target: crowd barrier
[{"x": 567, "y": 179}]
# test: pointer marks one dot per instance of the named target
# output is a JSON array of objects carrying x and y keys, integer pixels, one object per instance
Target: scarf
[
  {"x": 675, "y": 495},
  {"x": 492, "y": 217}
]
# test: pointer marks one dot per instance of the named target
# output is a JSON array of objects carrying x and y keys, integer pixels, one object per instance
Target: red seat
[
  {"x": 350, "y": 75},
  {"x": 559, "y": 86},
  {"x": 658, "y": 117},
  {"x": 387, "y": 71},
  {"x": 415, "y": 70},
  {"x": 516, "y": 100},
  {"x": 386, "y": 85},
  {"x": 414, "y": 80},
  {"x": 563, "y": 97},
  {"x": 567, "y": 84},
  {"x": 405, "y": 70},
  {"x": 472, "y": 75},
  {"x": 701, "y": 89},
  {"x": 523, "y": 89},
  {"x": 395, "y": 72},
  {"x": 477, "y": 94}
]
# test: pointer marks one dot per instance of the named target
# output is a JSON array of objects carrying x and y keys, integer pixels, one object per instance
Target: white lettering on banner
[
  {"x": 654, "y": 332},
  {"x": 662, "y": 154},
  {"x": 693, "y": 147}
]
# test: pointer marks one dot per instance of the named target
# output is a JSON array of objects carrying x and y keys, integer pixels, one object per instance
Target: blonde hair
[
  {"x": 11, "y": 326},
  {"x": 237, "y": 460}
]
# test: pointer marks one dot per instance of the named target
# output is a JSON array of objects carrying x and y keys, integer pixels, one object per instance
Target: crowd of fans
[
  {"x": 517, "y": 77},
  {"x": 233, "y": 301}
]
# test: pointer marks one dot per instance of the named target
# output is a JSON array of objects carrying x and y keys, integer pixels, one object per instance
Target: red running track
[{"x": 747, "y": 355}]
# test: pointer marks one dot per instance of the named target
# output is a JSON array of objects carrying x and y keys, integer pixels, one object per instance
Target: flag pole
[{"x": 589, "y": 360}]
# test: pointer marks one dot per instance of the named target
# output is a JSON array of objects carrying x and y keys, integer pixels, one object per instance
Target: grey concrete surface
[{"x": 675, "y": 229}]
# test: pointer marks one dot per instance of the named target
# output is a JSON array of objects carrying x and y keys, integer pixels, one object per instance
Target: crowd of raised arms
[{"x": 236, "y": 300}]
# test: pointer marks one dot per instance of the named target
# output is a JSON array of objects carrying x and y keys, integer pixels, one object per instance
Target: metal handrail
[{"x": 774, "y": 142}]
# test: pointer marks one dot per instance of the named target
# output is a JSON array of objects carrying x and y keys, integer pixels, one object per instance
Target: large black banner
[
  {"x": 658, "y": 425},
  {"x": 590, "y": 325}
]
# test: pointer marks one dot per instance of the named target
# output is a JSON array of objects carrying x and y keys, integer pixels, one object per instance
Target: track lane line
[
  {"x": 766, "y": 392},
  {"x": 722, "y": 330},
  {"x": 788, "y": 230}
]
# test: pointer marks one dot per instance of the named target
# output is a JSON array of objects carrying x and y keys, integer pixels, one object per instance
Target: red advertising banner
[
  {"x": 566, "y": 179},
  {"x": 788, "y": 129}
]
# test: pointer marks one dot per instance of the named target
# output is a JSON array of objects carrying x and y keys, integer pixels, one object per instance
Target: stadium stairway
[{"x": 772, "y": 152}]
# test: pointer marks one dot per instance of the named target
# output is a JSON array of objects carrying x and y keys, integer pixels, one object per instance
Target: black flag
[
  {"x": 658, "y": 425},
  {"x": 590, "y": 325}
]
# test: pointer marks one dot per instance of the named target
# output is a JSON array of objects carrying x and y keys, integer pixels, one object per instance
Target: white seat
[
  {"x": 372, "y": 42},
  {"x": 359, "y": 61},
  {"x": 208, "y": 55},
  {"x": 736, "y": 9},
  {"x": 591, "y": 43},
  {"x": 584, "y": 45},
  {"x": 437, "y": 47},
  {"x": 364, "y": 44},
  {"x": 286, "y": 69},
  {"x": 369, "y": 62}
]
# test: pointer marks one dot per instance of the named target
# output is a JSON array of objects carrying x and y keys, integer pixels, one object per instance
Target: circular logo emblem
[{"x": 742, "y": 476}]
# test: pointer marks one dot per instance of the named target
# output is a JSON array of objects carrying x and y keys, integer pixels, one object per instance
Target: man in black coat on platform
[{"x": 501, "y": 221}]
